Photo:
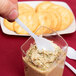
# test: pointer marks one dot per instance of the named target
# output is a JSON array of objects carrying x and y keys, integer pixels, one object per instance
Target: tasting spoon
[
  {"x": 41, "y": 43},
  {"x": 71, "y": 54}
]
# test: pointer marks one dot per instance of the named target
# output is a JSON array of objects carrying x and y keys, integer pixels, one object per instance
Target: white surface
[
  {"x": 71, "y": 53},
  {"x": 70, "y": 29}
]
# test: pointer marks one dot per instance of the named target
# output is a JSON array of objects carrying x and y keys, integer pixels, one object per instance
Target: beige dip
[{"x": 43, "y": 59}]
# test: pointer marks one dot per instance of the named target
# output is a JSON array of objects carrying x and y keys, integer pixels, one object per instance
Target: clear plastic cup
[{"x": 55, "y": 70}]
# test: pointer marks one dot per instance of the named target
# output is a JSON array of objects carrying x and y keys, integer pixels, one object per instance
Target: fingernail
[{"x": 13, "y": 14}]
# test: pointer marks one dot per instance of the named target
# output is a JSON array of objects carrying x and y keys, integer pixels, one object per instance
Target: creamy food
[{"x": 43, "y": 59}]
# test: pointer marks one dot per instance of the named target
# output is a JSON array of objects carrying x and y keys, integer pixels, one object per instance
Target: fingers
[{"x": 9, "y": 9}]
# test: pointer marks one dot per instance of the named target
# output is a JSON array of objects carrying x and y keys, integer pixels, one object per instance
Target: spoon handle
[
  {"x": 25, "y": 28},
  {"x": 71, "y": 67}
]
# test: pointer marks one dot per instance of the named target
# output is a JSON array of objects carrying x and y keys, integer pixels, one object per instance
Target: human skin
[{"x": 9, "y": 9}]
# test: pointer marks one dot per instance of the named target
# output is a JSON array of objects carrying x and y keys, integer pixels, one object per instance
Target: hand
[{"x": 9, "y": 9}]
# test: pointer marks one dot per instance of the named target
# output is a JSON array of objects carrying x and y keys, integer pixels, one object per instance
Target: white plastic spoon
[
  {"x": 41, "y": 43},
  {"x": 71, "y": 53}
]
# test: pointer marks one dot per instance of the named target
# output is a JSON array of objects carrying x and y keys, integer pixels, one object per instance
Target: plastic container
[{"x": 55, "y": 70}]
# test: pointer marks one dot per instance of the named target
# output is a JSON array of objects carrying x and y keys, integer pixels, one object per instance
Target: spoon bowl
[{"x": 71, "y": 53}]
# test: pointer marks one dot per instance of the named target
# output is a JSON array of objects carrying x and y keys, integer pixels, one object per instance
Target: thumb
[{"x": 8, "y": 9}]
